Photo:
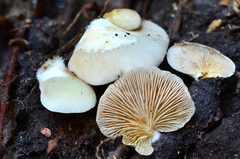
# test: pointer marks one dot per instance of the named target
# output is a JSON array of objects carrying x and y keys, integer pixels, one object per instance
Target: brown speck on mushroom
[
  {"x": 200, "y": 77},
  {"x": 127, "y": 33},
  {"x": 116, "y": 34},
  {"x": 204, "y": 73}
]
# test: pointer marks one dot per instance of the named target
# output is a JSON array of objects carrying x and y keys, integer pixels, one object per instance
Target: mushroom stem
[{"x": 156, "y": 136}]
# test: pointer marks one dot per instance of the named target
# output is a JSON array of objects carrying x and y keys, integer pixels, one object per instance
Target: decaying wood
[{"x": 5, "y": 89}]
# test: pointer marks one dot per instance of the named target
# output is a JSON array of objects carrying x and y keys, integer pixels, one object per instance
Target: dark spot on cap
[
  {"x": 116, "y": 34},
  {"x": 127, "y": 33},
  {"x": 200, "y": 77}
]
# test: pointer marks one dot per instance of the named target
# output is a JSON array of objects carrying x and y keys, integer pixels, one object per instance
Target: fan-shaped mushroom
[
  {"x": 199, "y": 61},
  {"x": 143, "y": 103},
  {"x": 106, "y": 51}
]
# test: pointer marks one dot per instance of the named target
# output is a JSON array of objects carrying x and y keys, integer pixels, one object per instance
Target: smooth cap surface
[
  {"x": 67, "y": 95},
  {"x": 124, "y": 18},
  {"x": 61, "y": 91},
  {"x": 106, "y": 51}
]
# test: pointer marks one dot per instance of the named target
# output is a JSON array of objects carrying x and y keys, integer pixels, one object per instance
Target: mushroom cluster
[
  {"x": 62, "y": 91},
  {"x": 143, "y": 103},
  {"x": 117, "y": 44},
  {"x": 199, "y": 61}
]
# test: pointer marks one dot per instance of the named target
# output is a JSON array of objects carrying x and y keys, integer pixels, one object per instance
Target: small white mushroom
[
  {"x": 199, "y": 61},
  {"x": 126, "y": 19},
  {"x": 143, "y": 103},
  {"x": 61, "y": 91},
  {"x": 106, "y": 51}
]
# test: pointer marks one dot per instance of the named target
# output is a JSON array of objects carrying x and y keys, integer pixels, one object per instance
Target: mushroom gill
[
  {"x": 199, "y": 61},
  {"x": 142, "y": 103}
]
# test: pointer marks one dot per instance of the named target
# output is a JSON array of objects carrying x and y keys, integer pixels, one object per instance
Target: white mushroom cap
[
  {"x": 106, "y": 51},
  {"x": 199, "y": 61},
  {"x": 140, "y": 104},
  {"x": 126, "y": 19},
  {"x": 63, "y": 92}
]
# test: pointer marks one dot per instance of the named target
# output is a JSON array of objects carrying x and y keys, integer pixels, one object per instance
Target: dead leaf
[
  {"x": 224, "y": 2},
  {"x": 216, "y": 23}
]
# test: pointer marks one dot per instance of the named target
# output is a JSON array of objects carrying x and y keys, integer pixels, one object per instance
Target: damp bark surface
[{"x": 213, "y": 131}]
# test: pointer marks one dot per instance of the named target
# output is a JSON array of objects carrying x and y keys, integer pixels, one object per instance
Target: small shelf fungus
[
  {"x": 143, "y": 103},
  {"x": 199, "y": 61},
  {"x": 110, "y": 47},
  {"x": 62, "y": 91}
]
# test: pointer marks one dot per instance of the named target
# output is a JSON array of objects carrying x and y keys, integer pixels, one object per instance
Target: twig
[
  {"x": 34, "y": 64},
  {"x": 185, "y": 155},
  {"x": 5, "y": 84},
  {"x": 8, "y": 78},
  {"x": 84, "y": 8},
  {"x": 36, "y": 27},
  {"x": 17, "y": 100},
  {"x": 193, "y": 36},
  {"x": 104, "y": 8},
  {"x": 176, "y": 20},
  {"x": 62, "y": 49},
  {"x": 238, "y": 1},
  {"x": 27, "y": 98},
  {"x": 145, "y": 6},
  {"x": 105, "y": 140},
  {"x": 103, "y": 154}
]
